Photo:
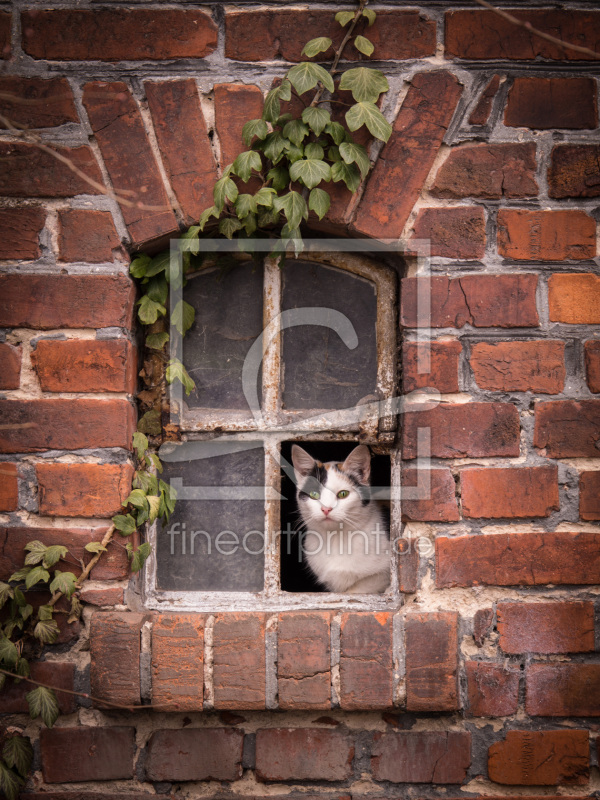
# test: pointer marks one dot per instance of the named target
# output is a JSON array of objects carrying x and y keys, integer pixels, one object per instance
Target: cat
[{"x": 346, "y": 543}]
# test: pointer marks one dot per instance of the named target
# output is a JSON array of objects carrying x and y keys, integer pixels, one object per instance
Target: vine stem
[{"x": 84, "y": 575}]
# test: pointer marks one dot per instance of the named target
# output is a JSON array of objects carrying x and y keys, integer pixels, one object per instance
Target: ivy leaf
[
  {"x": 138, "y": 266},
  {"x": 145, "y": 481},
  {"x": 306, "y": 75},
  {"x": 368, "y": 114},
  {"x": 246, "y": 162},
  {"x": 363, "y": 45},
  {"x": 95, "y": 547},
  {"x": 36, "y": 550},
  {"x": 316, "y": 118},
  {"x": 356, "y": 153},
  {"x": 42, "y": 703},
  {"x": 18, "y": 753},
  {"x": 6, "y": 593},
  {"x": 20, "y": 575},
  {"x": 124, "y": 523},
  {"x": 53, "y": 555},
  {"x": 336, "y": 131},
  {"x": 140, "y": 443},
  {"x": 264, "y": 197},
  {"x": 37, "y": 575},
  {"x": 150, "y": 423},
  {"x": 159, "y": 263},
  {"x": 255, "y": 127},
  {"x": 137, "y": 498},
  {"x": 333, "y": 154},
  {"x": 311, "y": 172},
  {"x": 156, "y": 461},
  {"x": 26, "y": 611},
  {"x": 154, "y": 503},
  {"x": 294, "y": 152},
  {"x": 63, "y": 582},
  {"x": 224, "y": 189},
  {"x": 370, "y": 15},
  {"x": 46, "y": 631},
  {"x": 9, "y": 654},
  {"x": 156, "y": 341},
  {"x": 293, "y": 206},
  {"x": 244, "y": 205},
  {"x": 76, "y": 609},
  {"x": 285, "y": 90},
  {"x": 314, "y": 150},
  {"x": 295, "y": 131},
  {"x": 316, "y": 46},
  {"x": 344, "y": 17},
  {"x": 267, "y": 218},
  {"x": 274, "y": 145},
  {"x": 319, "y": 202},
  {"x": 10, "y": 782},
  {"x": 213, "y": 211},
  {"x": 229, "y": 226},
  {"x": 279, "y": 177},
  {"x": 45, "y": 612},
  {"x": 149, "y": 310},
  {"x": 139, "y": 557},
  {"x": 177, "y": 372},
  {"x": 249, "y": 223},
  {"x": 183, "y": 317},
  {"x": 272, "y": 106},
  {"x": 157, "y": 289},
  {"x": 340, "y": 171},
  {"x": 366, "y": 84}
]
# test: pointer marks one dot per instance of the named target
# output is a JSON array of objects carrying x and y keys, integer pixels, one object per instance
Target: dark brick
[
  {"x": 560, "y": 627},
  {"x": 28, "y": 171},
  {"x": 540, "y": 758},
  {"x": 589, "y": 495},
  {"x": 512, "y": 492},
  {"x": 443, "y": 366},
  {"x": 5, "y": 33},
  {"x": 548, "y": 103},
  {"x": 481, "y": 112},
  {"x": 313, "y": 754},
  {"x": 574, "y": 171},
  {"x": 87, "y": 754},
  {"x": 10, "y": 366},
  {"x": 592, "y": 364},
  {"x": 483, "y": 620},
  {"x": 566, "y": 428},
  {"x": 38, "y": 103},
  {"x": 574, "y": 298},
  {"x": 195, "y": 754},
  {"x": 83, "y": 490},
  {"x": 537, "y": 366},
  {"x": 493, "y": 689},
  {"x": 432, "y": 661},
  {"x": 563, "y": 690},
  {"x": 546, "y": 235},
  {"x": 421, "y": 757},
  {"x": 21, "y": 228},
  {"x": 452, "y": 232},
  {"x": 178, "y": 663},
  {"x": 239, "y": 661},
  {"x": 303, "y": 660},
  {"x": 59, "y": 674},
  {"x": 408, "y": 565},
  {"x": 366, "y": 661},
  {"x": 439, "y": 504},
  {"x": 85, "y": 365},
  {"x": 115, "y": 656}
]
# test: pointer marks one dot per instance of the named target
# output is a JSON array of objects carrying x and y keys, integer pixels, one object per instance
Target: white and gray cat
[{"x": 346, "y": 543}]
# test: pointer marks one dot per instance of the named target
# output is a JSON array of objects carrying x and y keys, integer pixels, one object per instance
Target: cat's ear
[
  {"x": 358, "y": 464},
  {"x": 302, "y": 461}
]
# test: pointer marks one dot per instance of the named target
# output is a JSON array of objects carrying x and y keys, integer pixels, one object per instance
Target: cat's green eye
[
  {"x": 315, "y": 495},
  {"x": 343, "y": 493}
]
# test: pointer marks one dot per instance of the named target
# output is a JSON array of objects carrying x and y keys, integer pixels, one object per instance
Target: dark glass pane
[
  {"x": 320, "y": 370},
  {"x": 207, "y": 545},
  {"x": 229, "y": 312}
]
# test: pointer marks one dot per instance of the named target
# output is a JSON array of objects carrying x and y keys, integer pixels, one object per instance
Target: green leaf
[
  {"x": 145, "y": 481},
  {"x": 10, "y": 782},
  {"x": 156, "y": 461},
  {"x": 154, "y": 503},
  {"x": 333, "y": 154},
  {"x": 183, "y": 317},
  {"x": 46, "y": 631},
  {"x": 366, "y": 84},
  {"x": 344, "y": 17},
  {"x": 76, "y": 609},
  {"x": 124, "y": 523},
  {"x": 63, "y": 582},
  {"x": 43, "y": 703},
  {"x": 336, "y": 131},
  {"x": 244, "y": 205},
  {"x": 9, "y": 654},
  {"x": 292, "y": 236},
  {"x": 264, "y": 197},
  {"x": 314, "y": 150},
  {"x": 285, "y": 90},
  {"x": 6, "y": 593},
  {"x": 213, "y": 211},
  {"x": 140, "y": 443},
  {"x": 53, "y": 555},
  {"x": 46, "y": 612},
  {"x": 95, "y": 547},
  {"x": 293, "y": 206},
  {"x": 159, "y": 263},
  {"x": 279, "y": 177},
  {"x": 150, "y": 423},
  {"x": 284, "y": 118},
  {"x": 319, "y": 202},
  {"x": 267, "y": 218},
  {"x": 306, "y": 75},
  {"x": 316, "y": 118},
  {"x": 311, "y": 172},
  {"x": 176, "y": 371},
  {"x": 229, "y": 226},
  {"x": 139, "y": 557},
  {"x": 22, "y": 668},
  {"x": 18, "y": 753},
  {"x": 254, "y": 128},
  {"x": 36, "y": 550},
  {"x": 356, "y": 153},
  {"x": 363, "y": 45},
  {"x": 274, "y": 145},
  {"x": 246, "y": 162},
  {"x": 272, "y": 106},
  {"x": 137, "y": 498},
  {"x": 368, "y": 114},
  {"x": 157, "y": 289},
  {"x": 138, "y": 266},
  {"x": 295, "y": 131},
  {"x": 316, "y": 46},
  {"x": 340, "y": 171},
  {"x": 249, "y": 223},
  {"x": 370, "y": 15},
  {"x": 294, "y": 152},
  {"x": 20, "y": 575},
  {"x": 26, "y": 611},
  {"x": 37, "y": 575},
  {"x": 156, "y": 341},
  {"x": 149, "y": 310},
  {"x": 224, "y": 189}
]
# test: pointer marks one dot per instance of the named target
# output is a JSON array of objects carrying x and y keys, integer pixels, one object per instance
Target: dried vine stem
[{"x": 85, "y": 574}]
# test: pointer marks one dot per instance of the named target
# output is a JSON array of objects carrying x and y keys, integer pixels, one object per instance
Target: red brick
[
  {"x": 432, "y": 661},
  {"x": 115, "y": 656},
  {"x": 235, "y": 104},
  {"x": 87, "y": 754},
  {"x": 184, "y": 144},
  {"x": 519, "y": 366},
  {"x": 514, "y": 559},
  {"x": 439, "y": 503},
  {"x": 5, "y": 33},
  {"x": 85, "y": 365},
  {"x": 481, "y": 112},
  {"x": 512, "y": 492},
  {"x": 83, "y": 490},
  {"x": 9, "y": 487},
  {"x": 127, "y": 34},
  {"x": 483, "y": 620},
  {"x": 490, "y": 171},
  {"x": 574, "y": 298},
  {"x": 567, "y": 428},
  {"x": 563, "y": 690},
  {"x": 28, "y": 171},
  {"x": 366, "y": 661},
  {"x": 574, "y": 171},
  {"x": 106, "y": 596},
  {"x": 479, "y": 34},
  {"x": 59, "y": 674},
  {"x": 261, "y": 35},
  {"x": 313, "y": 754},
  {"x": 540, "y": 758},
  {"x": 408, "y": 156},
  {"x": 589, "y": 495},
  {"x": 178, "y": 663},
  {"x": 421, "y": 756},
  {"x": 546, "y": 235},
  {"x": 195, "y": 754},
  {"x": 592, "y": 364},
  {"x": 493, "y": 689},
  {"x": 303, "y": 660},
  {"x": 408, "y": 565},
  {"x": 34, "y": 425},
  {"x": 38, "y": 103},
  {"x": 21, "y": 228},
  {"x": 443, "y": 366},
  {"x": 545, "y": 103},
  {"x": 66, "y": 301},
  {"x": 484, "y": 301},
  {"x": 10, "y": 366},
  {"x": 239, "y": 661},
  {"x": 452, "y": 232},
  {"x": 465, "y": 429},
  {"x": 559, "y": 627},
  {"x": 119, "y": 130},
  {"x": 87, "y": 236}
]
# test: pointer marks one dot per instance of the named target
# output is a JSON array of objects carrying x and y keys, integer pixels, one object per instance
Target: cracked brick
[
  {"x": 559, "y": 627},
  {"x": 303, "y": 660},
  {"x": 366, "y": 661},
  {"x": 535, "y": 366},
  {"x": 540, "y": 758},
  {"x": 421, "y": 757},
  {"x": 488, "y": 171}
]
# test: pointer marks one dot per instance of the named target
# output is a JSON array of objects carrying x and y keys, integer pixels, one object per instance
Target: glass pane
[
  {"x": 209, "y": 544},
  {"x": 320, "y": 371},
  {"x": 229, "y": 312}
]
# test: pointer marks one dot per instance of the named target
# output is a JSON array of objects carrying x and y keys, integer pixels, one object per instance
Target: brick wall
[{"x": 486, "y": 680}]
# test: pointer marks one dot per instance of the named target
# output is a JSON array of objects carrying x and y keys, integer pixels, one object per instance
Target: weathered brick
[
  {"x": 265, "y": 35},
  {"x": 235, "y": 104},
  {"x": 106, "y": 596},
  {"x": 184, "y": 144},
  {"x": 9, "y": 487},
  {"x": 21, "y": 228},
  {"x": 87, "y": 754},
  {"x": 312, "y": 754},
  {"x": 28, "y": 171},
  {"x": 484, "y": 301},
  {"x": 409, "y": 154},
  {"x": 535, "y": 366},
  {"x": 195, "y": 754},
  {"x": 34, "y": 425},
  {"x": 71, "y": 34},
  {"x": 38, "y": 102},
  {"x": 83, "y": 490},
  {"x": 432, "y": 661},
  {"x": 66, "y": 301},
  {"x": 366, "y": 661},
  {"x": 85, "y": 365},
  {"x": 178, "y": 663},
  {"x": 481, "y": 112},
  {"x": 439, "y": 503},
  {"x": 115, "y": 656},
  {"x": 514, "y": 559},
  {"x": 88, "y": 236},
  {"x": 544, "y": 103},
  {"x": 82, "y": 795},
  {"x": 488, "y": 170},
  {"x": 465, "y": 429},
  {"x": 59, "y": 674},
  {"x": 452, "y": 232},
  {"x": 592, "y": 364},
  {"x": 408, "y": 565},
  {"x": 574, "y": 171},
  {"x": 10, "y": 366},
  {"x": 119, "y": 130},
  {"x": 421, "y": 756},
  {"x": 563, "y": 690},
  {"x": 443, "y": 366},
  {"x": 511, "y": 492},
  {"x": 540, "y": 758},
  {"x": 483, "y": 620},
  {"x": 5, "y": 33},
  {"x": 574, "y": 298},
  {"x": 493, "y": 689},
  {"x": 567, "y": 428},
  {"x": 303, "y": 660},
  {"x": 546, "y": 235},
  {"x": 239, "y": 661},
  {"x": 589, "y": 495},
  {"x": 480, "y": 34},
  {"x": 560, "y": 627}
]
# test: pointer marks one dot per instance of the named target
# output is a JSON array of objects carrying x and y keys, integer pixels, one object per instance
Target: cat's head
[{"x": 332, "y": 491}]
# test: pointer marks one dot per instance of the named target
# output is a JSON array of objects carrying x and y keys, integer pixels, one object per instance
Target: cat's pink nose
[{"x": 326, "y": 510}]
